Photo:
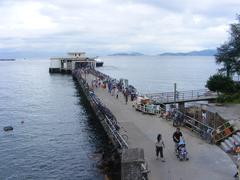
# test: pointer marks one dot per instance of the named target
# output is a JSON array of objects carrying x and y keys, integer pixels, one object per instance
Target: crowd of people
[{"x": 113, "y": 86}]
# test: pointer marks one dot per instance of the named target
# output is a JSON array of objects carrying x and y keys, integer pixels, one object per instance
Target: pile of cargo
[{"x": 144, "y": 105}]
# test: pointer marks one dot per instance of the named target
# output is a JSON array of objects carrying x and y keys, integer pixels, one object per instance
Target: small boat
[{"x": 99, "y": 63}]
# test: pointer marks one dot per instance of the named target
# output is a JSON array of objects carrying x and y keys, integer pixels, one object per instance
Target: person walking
[
  {"x": 117, "y": 91},
  {"x": 159, "y": 147},
  {"x": 126, "y": 95},
  {"x": 176, "y": 137}
]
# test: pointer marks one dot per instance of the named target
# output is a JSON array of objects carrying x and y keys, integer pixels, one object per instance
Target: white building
[{"x": 72, "y": 61}]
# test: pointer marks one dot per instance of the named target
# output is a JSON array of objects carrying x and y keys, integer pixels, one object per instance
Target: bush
[
  {"x": 220, "y": 83},
  {"x": 226, "y": 98}
]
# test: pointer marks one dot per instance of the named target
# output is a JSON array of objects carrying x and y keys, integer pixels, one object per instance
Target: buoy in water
[
  {"x": 22, "y": 122},
  {"x": 8, "y": 128}
]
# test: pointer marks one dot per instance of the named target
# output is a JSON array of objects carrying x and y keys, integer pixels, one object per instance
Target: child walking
[{"x": 159, "y": 147}]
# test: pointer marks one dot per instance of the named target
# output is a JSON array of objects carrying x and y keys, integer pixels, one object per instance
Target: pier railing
[
  {"x": 203, "y": 130},
  {"x": 111, "y": 122},
  {"x": 181, "y": 96},
  {"x": 119, "y": 138}
]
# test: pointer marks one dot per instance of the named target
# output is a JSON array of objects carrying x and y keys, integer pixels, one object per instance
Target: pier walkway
[{"x": 206, "y": 161}]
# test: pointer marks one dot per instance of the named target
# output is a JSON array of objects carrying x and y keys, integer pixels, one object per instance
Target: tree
[
  {"x": 220, "y": 83},
  {"x": 228, "y": 54},
  {"x": 235, "y": 41},
  {"x": 235, "y": 36},
  {"x": 225, "y": 56}
]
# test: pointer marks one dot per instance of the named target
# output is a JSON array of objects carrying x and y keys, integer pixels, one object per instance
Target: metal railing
[
  {"x": 111, "y": 121},
  {"x": 117, "y": 136},
  {"x": 167, "y": 97},
  {"x": 204, "y": 131}
]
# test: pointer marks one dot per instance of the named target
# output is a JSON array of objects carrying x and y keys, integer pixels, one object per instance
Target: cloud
[{"x": 106, "y": 26}]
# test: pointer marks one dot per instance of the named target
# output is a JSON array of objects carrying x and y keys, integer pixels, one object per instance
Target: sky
[{"x": 101, "y": 27}]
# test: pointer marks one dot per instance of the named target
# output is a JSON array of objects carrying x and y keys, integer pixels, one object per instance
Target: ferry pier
[{"x": 134, "y": 135}]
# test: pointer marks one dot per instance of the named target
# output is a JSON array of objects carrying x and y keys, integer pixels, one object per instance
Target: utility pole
[{"x": 175, "y": 93}]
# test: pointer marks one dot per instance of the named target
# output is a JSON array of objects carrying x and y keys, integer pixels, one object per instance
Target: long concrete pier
[{"x": 206, "y": 161}]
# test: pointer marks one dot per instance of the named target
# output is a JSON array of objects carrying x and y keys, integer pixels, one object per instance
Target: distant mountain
[
  {"x": 206, "y": 52},
  {"x": 127, "y": 54}
]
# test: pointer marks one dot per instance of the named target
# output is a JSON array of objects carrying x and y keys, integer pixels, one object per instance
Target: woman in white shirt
[{"x": 159, "y": 147}]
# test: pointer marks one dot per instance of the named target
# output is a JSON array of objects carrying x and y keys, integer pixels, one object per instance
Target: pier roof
[
  {"x": 83, "y": 59},
  {"x": 76, "y": 52}
]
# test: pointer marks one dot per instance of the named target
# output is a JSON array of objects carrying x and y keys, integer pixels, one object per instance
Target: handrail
[
  {"x": 170, "y": 92},
  {"x": 199, "y": 122},
  {"x": 187, "y": 120},
  {"x": 166, "y": 97},
  {"x": 121, "y": 141}
]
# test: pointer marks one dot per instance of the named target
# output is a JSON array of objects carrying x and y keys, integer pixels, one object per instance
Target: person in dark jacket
[{"x": 176, "y": 137}]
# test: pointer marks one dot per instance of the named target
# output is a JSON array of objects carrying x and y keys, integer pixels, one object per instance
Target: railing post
[{"x": 175, "y": 92}]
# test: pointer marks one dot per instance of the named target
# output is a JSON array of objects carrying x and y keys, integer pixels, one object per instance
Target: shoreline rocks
[{"x": 8, "y": 128}]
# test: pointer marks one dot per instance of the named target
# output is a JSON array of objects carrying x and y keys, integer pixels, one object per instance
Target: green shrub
[
  {"x": 220, "y": 83},
  {"x": 229, "y": 98}
]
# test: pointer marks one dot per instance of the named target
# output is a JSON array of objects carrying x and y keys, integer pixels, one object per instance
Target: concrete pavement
[{"x": 207, "y": 162}]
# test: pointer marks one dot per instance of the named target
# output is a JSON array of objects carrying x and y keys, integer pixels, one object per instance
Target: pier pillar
[
  {"x": 181, "y": 106},
  {"x": 131, "y": 164}
]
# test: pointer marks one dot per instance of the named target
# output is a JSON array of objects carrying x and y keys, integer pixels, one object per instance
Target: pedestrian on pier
[
  {"x": 176, "y": 137},
  {"x": 109, "y": 87},
  {"x": 126, "y": 95},
  {"x": 92, "y": 83},
  {"x": 117, "y": 91},
  {"x": 99, "y": 83},
  {"x": 113, "y": 90},
  {"x": 159, "y": 147}
]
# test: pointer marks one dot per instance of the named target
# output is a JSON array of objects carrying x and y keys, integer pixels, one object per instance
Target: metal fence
[
  {"x": 202, "y": 129},
  {"x": 169, "y": 97}
]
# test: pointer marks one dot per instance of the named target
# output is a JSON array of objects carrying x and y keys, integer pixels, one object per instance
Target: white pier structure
[{"x": 72, "y": 61}]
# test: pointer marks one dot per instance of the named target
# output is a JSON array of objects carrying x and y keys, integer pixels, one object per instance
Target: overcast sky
[{"x": 107, "y": 26}]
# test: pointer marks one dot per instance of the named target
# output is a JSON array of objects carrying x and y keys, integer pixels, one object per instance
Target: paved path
[{"x": 207, "y": 162}]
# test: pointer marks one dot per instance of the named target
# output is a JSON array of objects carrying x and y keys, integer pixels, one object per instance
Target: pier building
[{"x": 73, "y": 61}]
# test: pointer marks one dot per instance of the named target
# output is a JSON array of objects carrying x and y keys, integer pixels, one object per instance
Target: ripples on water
[
  {"x": 58, "y": 135},
  {"x": 158, "y": 73}
]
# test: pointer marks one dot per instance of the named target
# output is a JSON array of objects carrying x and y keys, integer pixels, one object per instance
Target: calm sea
[
  {"x": 59, "y": 133},
  {"x": 151, "y": 74}
]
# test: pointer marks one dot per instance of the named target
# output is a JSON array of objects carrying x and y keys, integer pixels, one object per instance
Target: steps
[{"x": 231, "y": 142}]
